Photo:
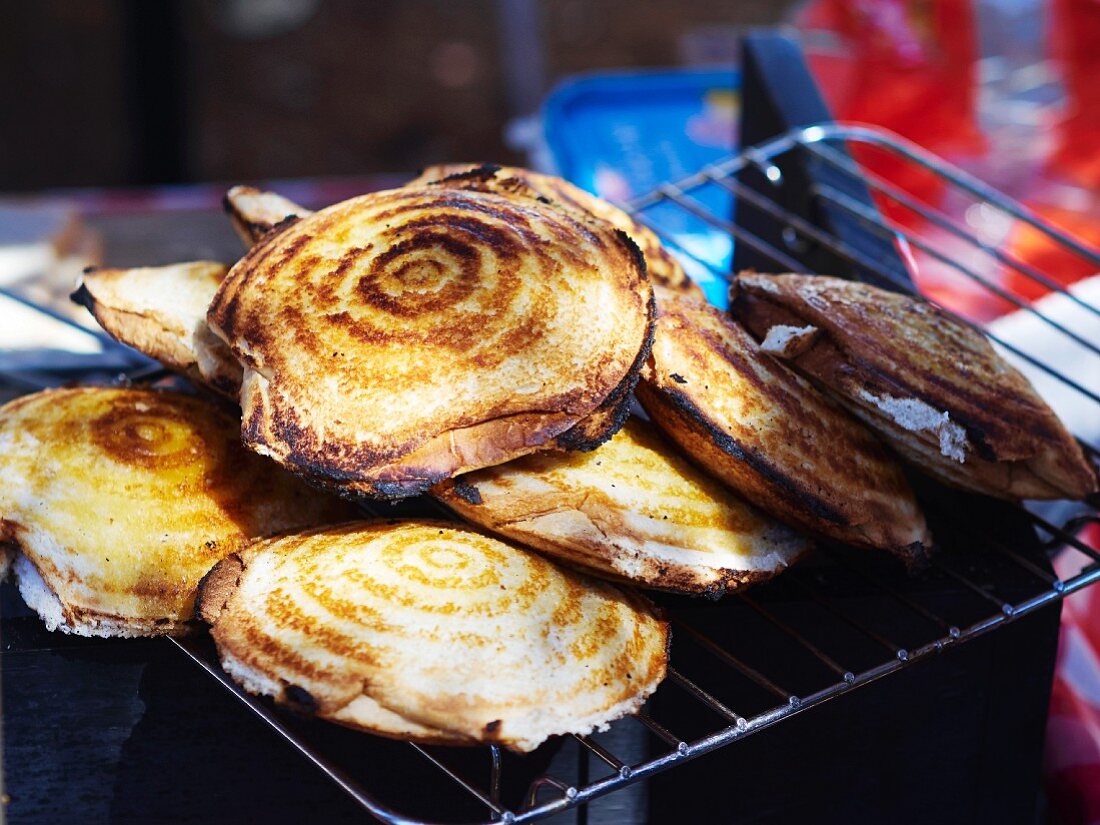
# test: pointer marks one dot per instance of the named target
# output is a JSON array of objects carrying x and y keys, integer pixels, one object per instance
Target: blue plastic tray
[{"x": 622, "y": 135}]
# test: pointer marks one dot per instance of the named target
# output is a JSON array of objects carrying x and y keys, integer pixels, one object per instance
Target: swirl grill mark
[
  {"x": 431, "y": 666},
  {"x": 501, "y": 211},
  {"x": 338, "y": 606},
  {"x": 171, "y": 489},
  {"x": 326, "y": 291},
  {"x": 437, "y": 272},
  {"x": 605, "y": 622},
  {"x": 512, "y": 234},
  {"x": 289, "y": 611},
  {"x": 364, "y": 317},
  {"x": 403, "y": 283},
  {"x": 664, "y": 268},
  {"x": 258, "y": 646},
  {"x": 147, "y": 433}
]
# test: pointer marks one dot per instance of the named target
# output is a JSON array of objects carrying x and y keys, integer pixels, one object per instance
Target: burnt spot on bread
[
  {"x": 613, "y": 412},
  {"x": 796, "y": 495},
  {"x": 679, "y": 379},
  {"x": 916, "y": 556},
  {"x": 300, "y": 699},
  {"x": 635, "y": 252},
  {"x": 482, "y": 172},
  {"x": 217, "y": 586},
  {"x": 9, "y": 532},
  {"x": 493, "y": 728},
  {"x": 467, "y": 491},
  {"x": 81, "y": 296},
  {"x": 406, "y": 488},
  {"x": 287, "y": 222}
]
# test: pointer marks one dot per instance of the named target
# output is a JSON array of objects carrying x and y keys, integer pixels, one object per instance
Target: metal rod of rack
[
  {"x": 604, "y": 755},
  {"x": 792, "y": 577},
  {"x": 880, "y": 184},
  {"x": 900, "y": 598},
  {"x": 751, "y": 198},
  {"x": 817, "y": 653},
  {"x": 729, "y": 659},
  {"x": 964, "y": 180},
  {"x": 484, "y": 798},
  {"x": 678, "y": 679},
  {"x": 891, "y": 229},
  {"x": 658, "y": 730},
  {"x": 998, "y": 544}
]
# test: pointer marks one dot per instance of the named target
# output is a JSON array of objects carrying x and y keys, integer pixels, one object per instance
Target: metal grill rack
[{"x": 721, "y": 694}]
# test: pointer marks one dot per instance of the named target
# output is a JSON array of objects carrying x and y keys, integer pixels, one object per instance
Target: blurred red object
[
  {"x": 909, "y": 66},
  {"x": 1029, "y": 245},
  {"x": 1076, "y": 48},
  {"x": 1072, "y": 753}
]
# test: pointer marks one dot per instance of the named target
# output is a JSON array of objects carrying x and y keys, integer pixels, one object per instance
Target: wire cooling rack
[{"x": 718, "y": 692}]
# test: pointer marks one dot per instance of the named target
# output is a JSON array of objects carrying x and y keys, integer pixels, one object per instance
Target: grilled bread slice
[
  {"x": 254, "y": 212},
  {"x": 119, "y": 500},
  {"x": 771, "y": 436},
  {"x": 161, "y": 312},
  {"x": 663, "y": 268},
  {"x": 635, "y": 510},
  {"x": 934, "y": 388},
  {"x": 398, "y": 338},
  {"x": 427, "y": 630}
]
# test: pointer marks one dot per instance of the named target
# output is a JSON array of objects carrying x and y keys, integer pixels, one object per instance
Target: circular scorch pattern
[
  {"x": 179, "y": 447},
  {"x": 151, "y": 431},
  {"x": 664, "y": 269},
  {"x": 392, "y": 321},
  {"x": 442, "y": 625},
  {"x": 456, "y": 271},
  {"x": 123, "y": 498}
]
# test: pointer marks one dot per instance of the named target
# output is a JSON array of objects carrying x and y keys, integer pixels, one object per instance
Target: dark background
[{"x": 131, "y": 92}]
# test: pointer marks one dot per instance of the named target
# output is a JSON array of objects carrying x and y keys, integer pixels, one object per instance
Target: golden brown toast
[
  {"x": 430, "y": 631},
  {"x": 934, "y": 388},
  {"x": 120, "y": 500},
  {"x": 398, "y": 338},
  {"x": 633, "y": 510},
  {"x": 664, "y": 269},
  {"x": 254, "y": 212},
  {"x": 161, "y": 312},
  {"x": 771, "y": 436}
]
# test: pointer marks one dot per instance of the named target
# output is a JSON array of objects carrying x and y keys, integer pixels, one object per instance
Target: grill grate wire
[{"x": 547, "y": 795}]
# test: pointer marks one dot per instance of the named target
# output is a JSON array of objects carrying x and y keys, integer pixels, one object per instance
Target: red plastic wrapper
[
  {"x": 911, "y": 66},
  {"x": 1038, "y": 250},
  {"x": 1071, "y": 761},
  {"x": 907, "y": 66},
  {"x": 1076, "y": 49}
]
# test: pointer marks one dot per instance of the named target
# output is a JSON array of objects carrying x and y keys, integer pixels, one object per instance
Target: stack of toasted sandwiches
[{"x": 480, "y": 336}]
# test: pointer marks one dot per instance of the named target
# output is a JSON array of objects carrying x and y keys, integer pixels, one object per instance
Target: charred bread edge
[{"x": 688, "y": 413}]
